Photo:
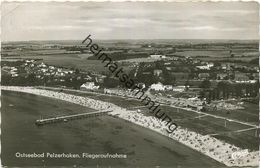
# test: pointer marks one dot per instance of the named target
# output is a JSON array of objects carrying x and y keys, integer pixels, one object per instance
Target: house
[
  {"x": 227, "y": 66},
  {"x": 221, "y": 76},
  {"x": 88, "y": 86},
  {"x": 157, "y": 72},
  {"x": 168, "y": 87},
  {"x": 203, "y": 76},
  {"x": 169, "y": 68},
  {"x": 13, "y": 69},
  {"x": 51, "y": 67},
  {"x": 203, "y": 67},
  {"x": 146, "y": 73},
  {"x": 241, "y": 76},
  {"x": 210, "y": 64},
  {"x": 44, "y": 70},
  {"x": 59, "y": 74},
  {"x": 246, "y": 81},
  {"x": 42, "y": 65},
  {"x": 158, "y": 56},
  {"x": 159, "y": 86},
  {"x": 179, "y": 88}
]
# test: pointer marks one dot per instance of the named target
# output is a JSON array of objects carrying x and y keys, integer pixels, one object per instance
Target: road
[{"x": 187, "y": 109}]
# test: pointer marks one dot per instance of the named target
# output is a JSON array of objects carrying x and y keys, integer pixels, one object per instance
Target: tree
[
  {"x": 166, "y": 78},
  {"x": 201, "y": 94},
  {"x": 31, "y": 79},
  {"x": 238, "y": 90},
  {"x": 187, "y": 85},
  {"x": 77, "y": 71},
  {"x": 205, "y": 84},
  {"x": 217, "y": 64}
]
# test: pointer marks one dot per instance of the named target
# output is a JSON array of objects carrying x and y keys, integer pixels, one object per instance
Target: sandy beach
[{"x": 207, "y": 145}]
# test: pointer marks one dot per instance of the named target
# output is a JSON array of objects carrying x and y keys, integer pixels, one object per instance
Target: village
[{"x": 182, "y": 79}]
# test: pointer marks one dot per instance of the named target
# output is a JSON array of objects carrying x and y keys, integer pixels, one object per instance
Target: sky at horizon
[{"x": 128, "y": 20}]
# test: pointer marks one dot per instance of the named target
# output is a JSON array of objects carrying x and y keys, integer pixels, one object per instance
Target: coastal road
[{"x": 198, "y": 112}]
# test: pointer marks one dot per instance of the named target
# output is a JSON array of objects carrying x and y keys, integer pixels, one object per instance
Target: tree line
[{"x": 227, "y": 90}]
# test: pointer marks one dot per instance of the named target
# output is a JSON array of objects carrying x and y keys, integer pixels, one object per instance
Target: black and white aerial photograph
[{"x": 130, "y": 84}]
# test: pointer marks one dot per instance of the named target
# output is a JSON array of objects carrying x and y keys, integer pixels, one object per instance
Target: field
[
  {"x": 213, "y": 55},
  {"x": 207, "y": 50},
  {"x": 79, "y": 61},
  {"x": 204, "y": 125},
  {"x": 249, "y": 114}
]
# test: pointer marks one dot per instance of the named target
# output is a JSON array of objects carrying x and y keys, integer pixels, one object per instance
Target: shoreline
[
  {"x": 162, "y": 103},
  {"x": 207, "y": 145}
]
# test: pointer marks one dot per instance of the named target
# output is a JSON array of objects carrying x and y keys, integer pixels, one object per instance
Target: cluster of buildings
[
  {"x": 186, "y": 68},
  {"x": 42, "y": 70},
  {"x": 13, "y": 71},
  {"x": 160, "y": 87},
  {"x": 52, "y": 75}
]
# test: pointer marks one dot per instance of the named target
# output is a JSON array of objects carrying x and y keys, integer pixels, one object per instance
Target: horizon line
[{"x": 129, "y": 39}]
